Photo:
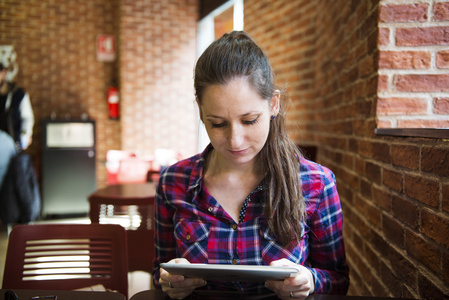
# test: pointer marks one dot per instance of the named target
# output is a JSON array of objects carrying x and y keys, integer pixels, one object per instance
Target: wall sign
[{"x": 105, "y": 48}]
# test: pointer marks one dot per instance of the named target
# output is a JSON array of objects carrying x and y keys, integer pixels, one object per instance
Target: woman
[{"x": 250, "y": 198}]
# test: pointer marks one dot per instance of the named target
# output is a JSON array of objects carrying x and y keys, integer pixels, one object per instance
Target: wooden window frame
[{"x": 434, "y": 133}]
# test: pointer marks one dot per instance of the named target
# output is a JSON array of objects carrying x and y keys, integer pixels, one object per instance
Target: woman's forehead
[{"x": 235, "y": 92}]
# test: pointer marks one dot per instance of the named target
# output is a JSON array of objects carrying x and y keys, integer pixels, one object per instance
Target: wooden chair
[
  {"x": 132, "y": 206},
  {"x": 67, "y": 257}
]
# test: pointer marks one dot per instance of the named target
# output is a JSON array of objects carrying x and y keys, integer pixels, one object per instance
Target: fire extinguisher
[{"x": 113, "y": 103}]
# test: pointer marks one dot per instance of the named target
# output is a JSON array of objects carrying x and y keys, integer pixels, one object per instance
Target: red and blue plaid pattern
[{"x": 190, "y": 223}]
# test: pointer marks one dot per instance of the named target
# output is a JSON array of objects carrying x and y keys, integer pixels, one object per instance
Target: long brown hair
[{"x": 234, "y": 55}]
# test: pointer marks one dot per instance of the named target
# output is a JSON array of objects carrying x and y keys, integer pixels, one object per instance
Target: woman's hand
[
  {"x": 176, "y": 286},
  {"x": 298, "y": 287}
]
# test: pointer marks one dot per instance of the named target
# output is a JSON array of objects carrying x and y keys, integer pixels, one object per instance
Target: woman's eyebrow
[{"x": 243, "y": 115}]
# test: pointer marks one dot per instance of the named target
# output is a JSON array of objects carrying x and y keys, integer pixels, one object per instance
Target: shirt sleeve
[
  {"x": 165, "y": 244},
  {"x": 327, "y": 260}
]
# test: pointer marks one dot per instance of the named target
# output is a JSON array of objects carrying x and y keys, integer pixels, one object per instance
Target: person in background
[
  {"x": 250, "y": 198},
  {"x": 16, "y": 113}
]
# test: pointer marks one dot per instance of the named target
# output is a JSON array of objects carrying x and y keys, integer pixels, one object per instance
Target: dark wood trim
[
  {"x": 205, "y": 7},
  {"x": 434, "y": 133}
]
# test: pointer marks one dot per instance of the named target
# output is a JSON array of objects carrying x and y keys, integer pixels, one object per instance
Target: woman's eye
[
  {"x": 218, "y": 125},
  {"x": 251, "y": 122}
]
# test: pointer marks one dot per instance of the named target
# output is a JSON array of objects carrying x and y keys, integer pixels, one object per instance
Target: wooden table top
[
  {"x": 219, "y": 295},
  {"x": 126, "y": 191}
]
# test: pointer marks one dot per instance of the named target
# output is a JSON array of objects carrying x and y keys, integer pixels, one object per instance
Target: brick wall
[
  {"x": 394, "y": 190},
  {"x": 56, "y": 52},
  {"x": 413, "y": 64},
  {"x": 55, "y": 43},
  {"x": 157, "y": 54}
]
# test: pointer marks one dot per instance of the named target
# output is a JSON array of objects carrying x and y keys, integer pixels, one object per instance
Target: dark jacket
[{"x": 20, "y": 200}]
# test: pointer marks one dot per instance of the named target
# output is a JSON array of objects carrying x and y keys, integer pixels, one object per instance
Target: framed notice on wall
[{"x": 105, "y": 48}]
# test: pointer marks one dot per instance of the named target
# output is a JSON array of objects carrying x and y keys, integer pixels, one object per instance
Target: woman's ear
[{"x": 275, "y": 102}]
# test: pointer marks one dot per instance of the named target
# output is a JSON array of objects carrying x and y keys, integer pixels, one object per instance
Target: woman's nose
[{"x": 236, "y": 137}]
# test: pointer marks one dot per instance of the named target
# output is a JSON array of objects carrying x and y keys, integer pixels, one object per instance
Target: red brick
[
  {"x": 403, "y": 13},
  {"x": 393, "y": 230},
  {"x": 382, "y": 198},
  {"x": 373, "y": 172},
  {"x": 379, "y": 242},
  {"x": 366, "y": 66},
  {"x": 391, "y": 281},
  {"x": 382, "y": 84},
  {"x": 384, "y": 36},
  {"x": 392, "y": 179},
  {"x": 422, "y": 83},
  {"x": 348, "y": 161},
  {"x": 423, "y": 123},
  {"x": 405, "y": 156},
  {"x": 441, "y": 11},
  {"x": 422, "y": 36},
  {"x": 401, "y": 106},
  {"x": 445, "y": 193},
  {"x": 429, "y": 289},
  {"x": 443, "y": 59},
  {"x": 436, "y": 227},
  {"x": 406, "y": 211},
  {"x": 374, "y": 215},
  {"x": 404, "y": 60},
  {"x": 360, "y": 165},
  {"x": 364, "y": 148},
  {"x": 372, "y": 257},
  {"x": 381, "y": 152},
  {"x": 405, "y": 269},
  {"x": 441, "y": 106},
  {"x": 445, "y": 267},
  {"x": 422, "y": 250},
  {"x": 360, "y": 204},
  {"x": 351, "y": 178},
  {"x": 422, "y": 189},
  {"x": 435, "y": 160},
  {"x": 384, "y": 124}
]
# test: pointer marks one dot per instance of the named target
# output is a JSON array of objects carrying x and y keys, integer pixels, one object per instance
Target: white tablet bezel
[{"x": 223, "y": 272}]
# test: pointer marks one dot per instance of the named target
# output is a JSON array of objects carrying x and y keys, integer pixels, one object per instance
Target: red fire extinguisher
[{"x": 113, "y": 103}]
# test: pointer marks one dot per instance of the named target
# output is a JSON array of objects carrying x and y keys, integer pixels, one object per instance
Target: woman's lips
[{"x": 238, "y": 152}]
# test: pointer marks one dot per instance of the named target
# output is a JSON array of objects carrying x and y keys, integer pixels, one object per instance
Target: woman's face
[{"x": 237, "y": 120}]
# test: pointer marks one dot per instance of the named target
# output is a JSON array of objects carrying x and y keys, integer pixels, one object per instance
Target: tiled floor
[{"x": 138, "y": 281}]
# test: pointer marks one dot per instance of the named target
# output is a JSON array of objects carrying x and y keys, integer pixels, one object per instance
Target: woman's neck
[{"x": 217, "y": 166}]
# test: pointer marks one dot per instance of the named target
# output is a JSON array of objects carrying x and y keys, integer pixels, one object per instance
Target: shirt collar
[{"x": 196, "y": 176}]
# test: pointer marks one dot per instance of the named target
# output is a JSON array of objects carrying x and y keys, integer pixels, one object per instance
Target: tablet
[{"x": 231, "y": 272}]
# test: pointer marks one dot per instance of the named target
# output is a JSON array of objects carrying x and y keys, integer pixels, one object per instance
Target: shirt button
[
  {"x": 210, "y": 209},
  {"x": 188, "y": 237},
  {"x": 234, "y": 226},
  {"x": 235, "y": 261}
]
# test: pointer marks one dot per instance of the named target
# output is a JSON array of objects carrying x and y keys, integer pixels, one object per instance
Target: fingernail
[{"x": 204, "y": 282}]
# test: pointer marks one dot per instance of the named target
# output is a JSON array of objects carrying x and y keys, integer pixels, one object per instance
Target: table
[
  {"x": 218, "y": 295},
  {"x": 65, "y": 295},
  {"x": 132, "y": 206}
]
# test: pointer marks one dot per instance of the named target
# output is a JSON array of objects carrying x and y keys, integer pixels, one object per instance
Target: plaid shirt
[{"x": 190, "y": 223}]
